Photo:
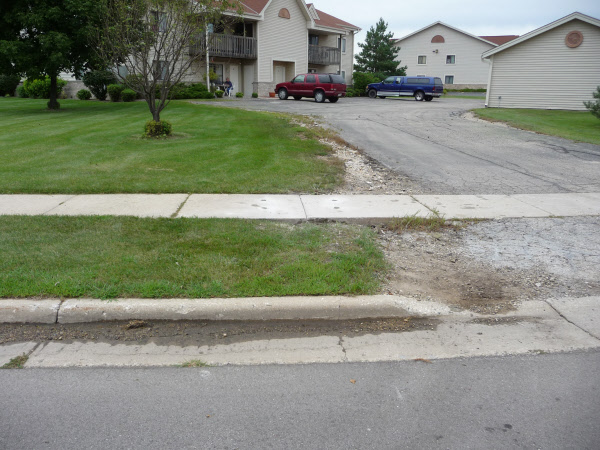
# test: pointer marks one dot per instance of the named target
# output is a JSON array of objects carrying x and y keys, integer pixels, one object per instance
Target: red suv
[{"x": 319, "y": 86}]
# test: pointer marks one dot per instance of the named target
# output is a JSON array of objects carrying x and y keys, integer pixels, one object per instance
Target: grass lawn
[
  {"x": 574, "y": 125},
  {"x": 96, "y": 147},
  {"x": 109, "y": 257}
]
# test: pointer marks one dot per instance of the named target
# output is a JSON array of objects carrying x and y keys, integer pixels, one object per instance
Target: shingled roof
[{"x": 499, "y": 40}]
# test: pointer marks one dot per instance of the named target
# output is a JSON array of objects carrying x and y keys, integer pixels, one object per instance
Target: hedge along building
[
  {"x": 441, "y": 50},
  {"x": 272, "y": 42},
  {"x": 556, "y": 66}
]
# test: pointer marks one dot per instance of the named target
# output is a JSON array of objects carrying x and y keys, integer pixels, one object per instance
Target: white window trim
[
  {"x": 422, "y": 64},
  {"x": 449, "y": 75},
  {"x": 451, "y": 64}
]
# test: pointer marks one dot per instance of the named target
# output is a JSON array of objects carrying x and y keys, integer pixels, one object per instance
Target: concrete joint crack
[
  {"x": 303, "y": 207},
  {"x": 341, "y": 344},
  {"x": 571, "y": 322},
  {"x": 58, "y": 310},
  {"x": 180, "y": 206}
]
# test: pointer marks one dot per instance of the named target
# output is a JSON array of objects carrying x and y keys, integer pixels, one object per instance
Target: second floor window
[
  {"x": 313, "y": 39},
  {"x": 159, "y": 22},
  {"x": 450, "y": 59},
  {"x": 342, "y": 44},
  {"x": 161, "y": 70},
  {"x": 422, "y": 59}
]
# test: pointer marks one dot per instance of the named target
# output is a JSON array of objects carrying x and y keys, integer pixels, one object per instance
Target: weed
[
  {"x": 194, "y": 363},
  {"x": 413, "y": 222},
  {"x": 17, "y": 362}
]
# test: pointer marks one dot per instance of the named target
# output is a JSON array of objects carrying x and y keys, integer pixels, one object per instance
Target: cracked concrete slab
[
  {"x": 248, "y": 206},
  {"x": 139, "y": 205},
  {"x": 30, "y": 205},
  {"x": 28, "y": 310},
  {"x": 564, "y": 204},
  {"x": 10, "y": 351},
  {"x": 362, "y": 206},
  {"x": 583, "y": 312}
]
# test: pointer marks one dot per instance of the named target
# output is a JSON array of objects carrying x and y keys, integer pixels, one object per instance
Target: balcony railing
[
  {"x": 318, "y": 54},
  {"x": 225, "y": 45}
]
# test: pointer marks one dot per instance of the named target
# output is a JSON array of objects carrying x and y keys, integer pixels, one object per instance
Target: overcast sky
[{"x": 478, "y": 17}]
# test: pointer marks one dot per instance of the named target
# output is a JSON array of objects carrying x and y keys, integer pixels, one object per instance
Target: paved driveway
[{"x": 445, "y": 153}]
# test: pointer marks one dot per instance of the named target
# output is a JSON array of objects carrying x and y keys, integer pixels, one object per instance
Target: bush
[
  {"x": 115, "y": 90},
  {"x": 8, "y": 84},
  {"x": 158, "y": 129},
  {"x": 21, "y": 92},
  {"x": 255, "y": 95},
  {"x": 84, "y": 94},
  {"x": 362, "y": 79},
  {"x": 194, "y": 90},
  {"x": 594, "y": 106},
  {"x": 219, "y": 93},
  {"x": 40, "y": 87},
  {"x": 97, "y": 82},
  {"x": 128, "y": 95},
  {"x": 239, "y": 94}
]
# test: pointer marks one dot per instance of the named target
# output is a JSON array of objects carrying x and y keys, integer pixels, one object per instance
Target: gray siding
[{"x": 543, "y": 73}]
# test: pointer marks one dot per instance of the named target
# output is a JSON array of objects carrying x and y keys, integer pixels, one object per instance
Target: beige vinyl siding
[
  {"x": 469, "y": 68},
  {"x": 282, "y": 39},
  {"x": 543, "y": 73}
]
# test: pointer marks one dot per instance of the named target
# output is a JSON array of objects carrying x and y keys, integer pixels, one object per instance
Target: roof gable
[
  {"x": 538, "y": 31},
  {"x": 327, "y": 20},
  {"x": 499, "y": 40},
  {"x": 447, "y": 26}
]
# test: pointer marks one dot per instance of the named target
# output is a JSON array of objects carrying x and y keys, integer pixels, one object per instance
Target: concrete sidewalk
[{"x": 305, "y": 207}]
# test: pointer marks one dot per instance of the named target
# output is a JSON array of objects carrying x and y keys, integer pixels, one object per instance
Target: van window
[
  {"x": 299, "y": 79},
  {"x": 338, "y": 79},
  {"x": 324, "y": 79},
  {"x": 311, "y": 78},
  {"x": 418, "y": 81}
]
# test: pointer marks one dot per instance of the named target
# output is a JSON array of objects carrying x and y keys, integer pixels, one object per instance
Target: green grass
[
  {"x": 470, "y": 97},
  {"x": 110, "y": 257},
  {"x": 575, "y": 125},
  {"x": 96, "y": 147},
  {"x": 193, "y": 363},
  {"x": 17, "y": 362},
  {"x": 432, "y": 223}
]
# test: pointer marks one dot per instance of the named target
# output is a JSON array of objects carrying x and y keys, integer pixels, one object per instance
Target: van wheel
[
  {"x": 333, "y": 99},
  {"x": 297, "y": 97},
  {"x": 319, "y": 96},
  {"x": 283, "y": 94},
  {"x": 419, "y": 96},
  {"x": 372, "y": 93},
  {"x": 428, "y": 98}
]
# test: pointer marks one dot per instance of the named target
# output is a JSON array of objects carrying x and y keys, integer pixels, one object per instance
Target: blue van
[{"x": 421, "y": 88}]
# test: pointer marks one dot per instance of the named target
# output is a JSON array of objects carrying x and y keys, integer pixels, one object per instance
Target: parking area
[{"x": 444, "y": 150}]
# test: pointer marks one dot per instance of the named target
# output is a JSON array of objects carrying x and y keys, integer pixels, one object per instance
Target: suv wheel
[
  {"x": 372, "y": 93},
  {"x": 419, "y": 96},
  {"x": 319, "y": 96},
  {"x": 283, "y": 94}
]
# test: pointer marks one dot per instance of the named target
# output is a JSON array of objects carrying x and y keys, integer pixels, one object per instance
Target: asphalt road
[
  {"x": 532, "y": 402},
  {"x": 445, "y": 153}
]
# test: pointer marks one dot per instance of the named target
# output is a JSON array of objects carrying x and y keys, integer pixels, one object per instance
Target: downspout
[
  {"x": 207, "y": 62},
  {"x": 487, "y": 94},
  {"x": 341, "y": 53}
]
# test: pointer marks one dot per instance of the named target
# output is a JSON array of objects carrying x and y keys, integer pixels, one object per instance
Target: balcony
[
  {"x": 318, "y": 54},
  {"x": 225, "y": 45}
]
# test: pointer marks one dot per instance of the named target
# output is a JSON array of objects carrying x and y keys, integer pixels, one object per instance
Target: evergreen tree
[{"x": 378, "y": 52}]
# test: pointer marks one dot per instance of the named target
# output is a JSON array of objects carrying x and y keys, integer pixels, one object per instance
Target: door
[
  {"x": 248, "y": 79},
  {"x": 279, "y": 74},
  {"x": 387, "y": 87},
  {"x": 234, "y": 77}
]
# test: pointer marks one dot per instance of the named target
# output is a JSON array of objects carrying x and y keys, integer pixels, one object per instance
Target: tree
[
  {"x": 47, "y": 37},
  {"x": 151, "y": 40},
  {"x": 594, "y": 106},
  {"x": 378, "y": 52}
]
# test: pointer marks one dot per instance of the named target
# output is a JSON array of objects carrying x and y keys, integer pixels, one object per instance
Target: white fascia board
[{"x": 538, "y": 31}]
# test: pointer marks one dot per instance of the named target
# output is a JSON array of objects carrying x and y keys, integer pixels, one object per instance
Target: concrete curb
[{"x": 258, "y": 308}]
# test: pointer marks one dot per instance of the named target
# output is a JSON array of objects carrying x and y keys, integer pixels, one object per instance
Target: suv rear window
[
  {"x": 418, "y": 80},
  {"x": 324, "y": 78},
  {"x": 338, "y": 79}
]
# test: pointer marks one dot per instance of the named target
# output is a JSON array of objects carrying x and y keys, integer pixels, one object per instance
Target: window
[
  {"x": 324, "y": 79},
  {"x": 449, "y": 79},
  {"x": 337, "y": 79},
  {"x": 312, "y": 70},
  {"x": 422, "y": 59},
  {"x": 311, "y": 78},
  {"x": 418, "y": 81},
  {"x": 218, "y": 69},
  {"x": 389, "y": 80},
  {"x": 344, "y": 75},
  {"x": 160, "y": 69},
  {"x": 122, "y": 71},
  {"x": 299, "y": 79},
  {"x": 450, "y": 59},
  {"x": 160, "y": 22},
  {"x": 313, "y": 39},
  {"x": 341, "y": 43}
]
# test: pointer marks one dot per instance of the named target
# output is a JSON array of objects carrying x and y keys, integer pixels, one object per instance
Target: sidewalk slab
[
  {"x": 28, "y": 311},
  {"x": 30, "y": 205},
  {"x": 563, "y": 204},
  {"x": 479, "y": 206},
  {"x": 362, "y": 206},
  {"x": 256, "y": 308},
  {"x": 139, "y": 205},
  {"x": 10, "y": 351},
  {"x": 242, "y": 206},
  {"x": 583, "y": 312}
]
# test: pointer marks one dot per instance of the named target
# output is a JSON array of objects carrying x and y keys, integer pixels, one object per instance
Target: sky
[{"x": 478, "y": 17}]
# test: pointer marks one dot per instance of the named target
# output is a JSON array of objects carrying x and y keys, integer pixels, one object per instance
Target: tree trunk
[{"x": 53, "y": 103}]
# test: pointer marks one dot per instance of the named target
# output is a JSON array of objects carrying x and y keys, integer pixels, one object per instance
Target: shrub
[
  {"x": 194, "y": 90},
  {"x": 207, "y": 95},
  {"x": 362, "y": 79},
  {"x": 158, "y": 129},
  {"x": 594, "y": 107},
  {"x": 239, "y": 94},
  {"x": 219, "y": 93},
  {"x": 84, "y": 94},
  {"x": 8, "y": 84},
  {"x": 21, "y": 92},
  {"x": 115, "y": 90},
  {"x": 255, "y": 95},
  {"x": 128, "y": 95},
  {"x": 40, "y": 87},
  {"x": 97, "y": 82}
]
